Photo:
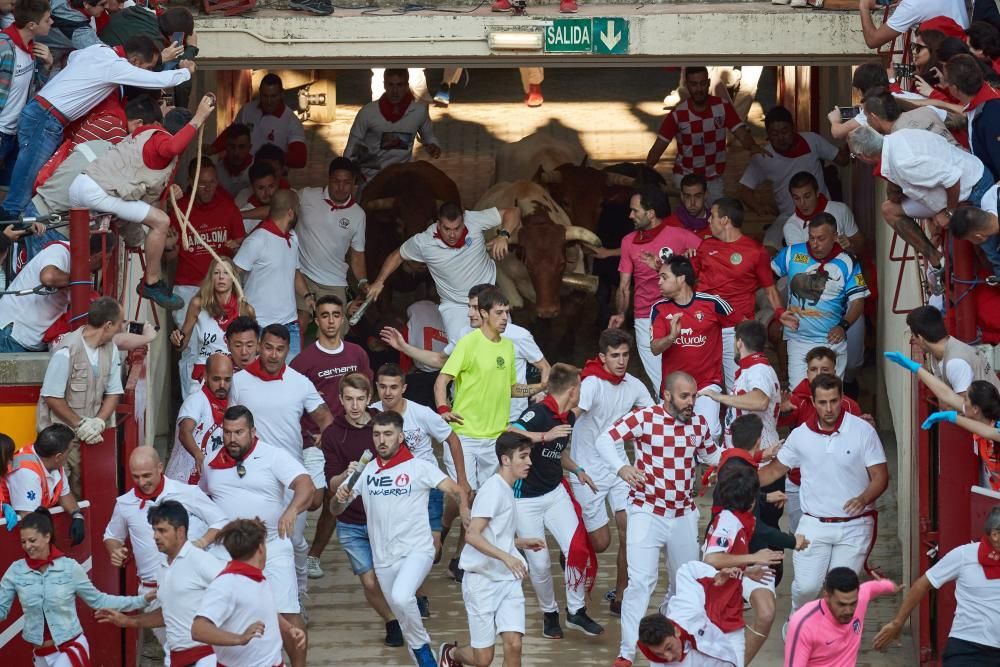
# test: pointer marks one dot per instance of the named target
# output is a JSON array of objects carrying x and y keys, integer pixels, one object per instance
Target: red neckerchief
[
  {"x": 830, "y": 256},
  {"x": 271, "y": 226},
  {"x": 278, "y": 113},
  {"x": 37, "y": 564},
  {"x": 393, "y": 112},
  {"x": 755, "y": 359},
  {"x": 254, "y": 368},
  {"x": 239, "y": 170},
  {"x": 119, "y": 50},
  {"x": 15, "y": 36},
  {"x": 143, "y": 497},
  {"x": 989, "y": 558},
  {"x": 218, "y": 407},
  {"x": 798, "y": 148},
  {"x": 244, "y": 570},
  {"x": 253, "y": 201},
  {"x": 595, "y": 368},
  {"x": 334, "y": 206},
  {"x": 581, "y": 559},
  {"x": 550, "y": 402},
  {"x": 813, "y": 423},
  {"x": 985, "y": 94},
  {"x": 748, "y": 521},
  {"x": 460, "y": 243},
  {"x": 681, "y": 634},
  {"x": 737, "y": 453},
  {"x": 230, "y": 311},
  {"x": 402, "y": 455},
  {"x": 646, "y": 235},
  {"x": 224, "y": 461},
  {"x": 821, "y": 203}
]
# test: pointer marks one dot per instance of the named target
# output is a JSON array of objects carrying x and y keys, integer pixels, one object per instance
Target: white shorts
[
  {"x": 749, "y": 586},
  {"x": 595, "y": 514},
  {"x": 493, "y": 607},
  {"x": 480, "y": 456},
  {"x": 315, "y": 463},
  {"x": 85, "y": 192},
  {"x": 280, "y": 572}
]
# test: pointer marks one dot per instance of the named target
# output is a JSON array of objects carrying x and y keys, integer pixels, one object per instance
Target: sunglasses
[{"x": 241, "y": 470}]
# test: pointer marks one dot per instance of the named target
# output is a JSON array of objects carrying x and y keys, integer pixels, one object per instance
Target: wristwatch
[{"x": 504, "y": 233}]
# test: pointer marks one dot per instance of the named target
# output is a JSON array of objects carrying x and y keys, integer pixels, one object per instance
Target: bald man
[
  {"x": 129, "y": 519},
  {"x": 199, "y": 421}
]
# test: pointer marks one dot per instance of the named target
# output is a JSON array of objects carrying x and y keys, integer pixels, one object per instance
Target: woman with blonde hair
[{"x": 218, "y": 302}]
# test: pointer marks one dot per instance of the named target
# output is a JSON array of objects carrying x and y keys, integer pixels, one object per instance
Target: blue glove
[
  {"x": 935, "y": 417},
  {"x": 903, "y": 360},
  {"x": 10, "y": 516}
]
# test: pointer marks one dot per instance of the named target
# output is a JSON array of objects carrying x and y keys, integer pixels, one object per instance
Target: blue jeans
[
  {"x": 354, "y": 540},
  {"x": 8, "y": 153},
  {"x": 7, "y": 343},
  {"x": 39, "y": 135},
  {"x": 295, "y": 342},
  {"x": 435, "y": 509},
  {"x": 34, "y": 244}
]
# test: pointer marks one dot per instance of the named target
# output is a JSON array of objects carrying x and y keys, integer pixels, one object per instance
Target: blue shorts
[
  {"x": 354, "y": 540},
  {"x": 435, "y": 509}
]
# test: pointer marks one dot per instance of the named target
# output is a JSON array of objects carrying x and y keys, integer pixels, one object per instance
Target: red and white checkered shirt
[
  {"x": 665, "y": 451},
  {"x": 701, "y": 136}
]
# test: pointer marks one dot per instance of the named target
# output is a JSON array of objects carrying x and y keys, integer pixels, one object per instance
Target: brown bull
[{"x": 400, "y": 201}]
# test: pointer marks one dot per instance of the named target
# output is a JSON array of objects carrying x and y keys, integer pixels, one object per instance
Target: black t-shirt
[{"x": 546, "y": 471}]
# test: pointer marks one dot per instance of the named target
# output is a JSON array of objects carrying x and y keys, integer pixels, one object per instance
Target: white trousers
[
  {"x": 480, "y": 457},
  {"x": 648, "y": 536},
  {"x": 797, "y": 351},
  {"x": 62, "y": 658},
  {"x": 418, "y": 82},
  {"x": 190, "y": 352},
  {"x": 399, "y": 583},
  {"x": 650, "y": 362},
  {"x": 280, "y": 572},
  {"x": 84, "y": 192},
  {"x": 737, "y": 639},
  {"x": 830, "y": 545},
  {"x": 529, "y": 76},
  {"x": 159, "y": 633},
  {"x": 710, "y": 410},
  {"x": 552, "y": 512},
  {"x": 728, "y": 357},
  {"x": 856, "y": 344},
  {"x": 793, "y": 506},
  {"x": 456, "y": 318},
  {"x": 300, "y": 547}
]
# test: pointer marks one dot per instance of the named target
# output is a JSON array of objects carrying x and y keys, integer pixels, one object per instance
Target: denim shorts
[
  {"x": 354, "y": 540},
  {"x": 435, "y": 509}
]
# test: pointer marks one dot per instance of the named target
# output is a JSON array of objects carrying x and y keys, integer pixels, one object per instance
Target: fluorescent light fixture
[{"x": 515, "y": 41}]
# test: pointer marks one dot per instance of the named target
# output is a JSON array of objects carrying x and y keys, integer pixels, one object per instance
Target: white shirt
[
  {"x": 57, "y": 372},
  {"x": 130, "y": 522},
  {"x": 231, "y": 183},
  {"x": 270, "y": 129},
  {"x": 989, "y": 203},
  {"x": 32, "y": 315},
  {"x": 260, "y": 493},
  {"x": 421, "y": 427},
  {"x": 764, "y": 378},
  {"x": 526, "y": 351},
  {"x": 603, "y": 404},
  {"x": 93, "y": 73},
  {"x": 924, "y": 165},
  {"x": 206, "y": 434},
  {"x": 270, "y": 287},
  {"x": 455, "y": 270},
  {"x": 182, "y": 586},
  {"x": 25, "y": 487},
  {"x": 17, "y": 94},
  {"x": 796, "y": 230},
  {"x": 395, "y": 501},
  {"x": 958, "y": 374},
  {"x": 780, "y": 170},
  {"x": 233, "y": 603},
  {"x": 977, "y": 609},
  {"x": 375, "y": 143},
  {"x": 834, "y": 467},
  {"x": 425, "y": 330},
  {"x": 494, "y": 501},
  {"x": 909, "y": 13},
  {"x": 326, "y": 235},
  {"x": 277, "y": 406}
]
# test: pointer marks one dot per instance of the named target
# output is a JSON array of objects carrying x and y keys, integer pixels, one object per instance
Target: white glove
[{"x": 90, "y": 430}]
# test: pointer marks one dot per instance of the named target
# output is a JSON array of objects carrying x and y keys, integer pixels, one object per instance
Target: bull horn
[
  {"x": 619, "y": 179},
  {"x": 582, "y": 235},
  {"x": 550, "y": 176},
  {"x": 380, "y": 204},
  {"x": 580, "y": 281}
]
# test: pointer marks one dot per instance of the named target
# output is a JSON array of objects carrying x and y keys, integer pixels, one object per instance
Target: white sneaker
[
  {"x": 784, "y": 631},
  {"x": 313, "y": 570},
  {"x": 799, "y": 3}
]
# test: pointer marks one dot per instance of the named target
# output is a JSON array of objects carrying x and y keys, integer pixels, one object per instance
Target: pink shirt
[
  {"x": 645, "y": 283},
  {"x": 816, "y": 639}
]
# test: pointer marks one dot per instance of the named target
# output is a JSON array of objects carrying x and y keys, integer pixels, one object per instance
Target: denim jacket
[{"x": 50, "y": 597}]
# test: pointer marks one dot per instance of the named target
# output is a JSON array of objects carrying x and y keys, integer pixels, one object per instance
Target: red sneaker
[
  {"x": 501, "y": 6},
  {"x": 567, "y": 7},
  {"x": 534, "y": 96},
  {"x": 622, "y": 662}
]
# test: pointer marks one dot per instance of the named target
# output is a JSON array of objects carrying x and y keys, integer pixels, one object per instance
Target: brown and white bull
[
  {"x": 546, "y": 253},
  {"x": 400, "y": 201}
]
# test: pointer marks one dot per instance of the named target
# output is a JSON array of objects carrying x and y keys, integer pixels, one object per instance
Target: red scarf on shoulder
[
  {"x": 394, "y": 112},
  {"x": 37, "y": 564},
  {"x": 799, "y": 148},
  {"x": 151, "y": 497},
  {"x": 989, "y": 558},
  {"x": 244, "y": 570},
  {"x": 594, "y": 368},
  {"x": 257, "y": 370},
  {"x": 821, "y": 203},
  {"x": 754, "y": 359}
]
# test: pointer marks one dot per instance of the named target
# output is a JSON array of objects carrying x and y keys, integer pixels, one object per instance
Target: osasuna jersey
[
  {"x": 819, "y": 291},
  {"x": 698, "y": 348},
  {"x": 395, "y": 500},
  {"x": 759, "y": 376}
]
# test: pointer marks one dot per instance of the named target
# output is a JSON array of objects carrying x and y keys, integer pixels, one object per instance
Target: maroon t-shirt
[
  {"x": 325, "y": 369},
  {"x": 343, "y": 443}
]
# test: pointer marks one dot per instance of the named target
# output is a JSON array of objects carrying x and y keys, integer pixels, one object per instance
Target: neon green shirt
[{"x": 484, "y": 372}]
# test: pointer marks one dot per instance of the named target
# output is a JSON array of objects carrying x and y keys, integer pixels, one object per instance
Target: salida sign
[{"x": 606, "y": 36}]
